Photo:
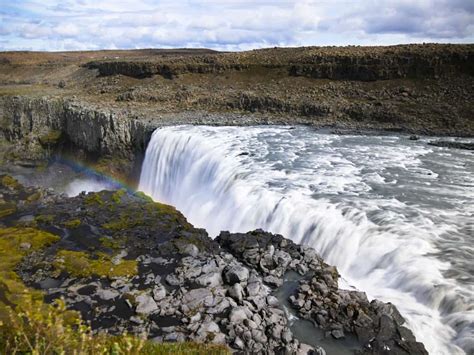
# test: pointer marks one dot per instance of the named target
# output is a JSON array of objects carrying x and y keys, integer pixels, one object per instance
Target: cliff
[
  {"x": 336, "y": 63},
  {"x": 417, "y": 89}
]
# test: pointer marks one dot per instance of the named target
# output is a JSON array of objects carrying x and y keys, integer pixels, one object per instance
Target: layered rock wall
[
  {"x": 346, "y": 63},
  {"x": 101, "y": 132}
]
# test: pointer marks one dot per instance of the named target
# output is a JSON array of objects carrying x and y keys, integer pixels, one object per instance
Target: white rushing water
[{"x": 395, "y": 216}]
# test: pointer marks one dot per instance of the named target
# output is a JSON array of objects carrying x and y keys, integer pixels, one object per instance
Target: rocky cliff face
[
  {"x": 386, "y": 66},
  {"x": 107, "y": 105},
  {"x": 129, "y": 264},
  {"x": 143, "y": 69},
  {"x": 335, "y": 63},
  {"x": 96, "y": 131}
]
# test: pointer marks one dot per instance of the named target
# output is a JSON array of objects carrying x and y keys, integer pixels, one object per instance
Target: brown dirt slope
[{"x": 413, "y": 88}]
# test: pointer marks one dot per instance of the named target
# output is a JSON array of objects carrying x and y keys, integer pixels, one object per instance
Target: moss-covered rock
[
  {"x": 15, "y": 244},
  {"x": 44, "y": 218},
  {"x": 9, "y": 182},
  {"x": 7, "y": 209},
  {"x": 80, "y": 264},
  {"x": 30, "y": 325},
  {"x": 73, "y": 223},
  {"x": 50, "y": 138}
]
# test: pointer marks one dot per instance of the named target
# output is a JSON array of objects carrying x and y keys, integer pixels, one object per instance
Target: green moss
[
  {"x": 123, "y": 223},
  {"x": 52, "y": 329},
  {"x": 94, "y": 199},
  {"x": 143, "y": 196},
  {"x": 45, "y": 218},
  {"x": 79, "y": 264},
  {"x": 117, "y": 196},
  {"x": 52, "y": 137},
  {"x": 73, "y": 223},
  {"x": 7, "y": 209},
  {"x": 34, "y": 197},
  {"x": 184, "y": 348},
  {"x": 113, "y": 243},
  {"x": 9, "y": 182},
  {"x": 162, "y": 209},
  {"x": 15, "y": 243},
  {"x": 154, "y": 212}
]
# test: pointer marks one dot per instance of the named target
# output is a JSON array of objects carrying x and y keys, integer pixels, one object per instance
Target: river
[{"x": 395, "y": 216}]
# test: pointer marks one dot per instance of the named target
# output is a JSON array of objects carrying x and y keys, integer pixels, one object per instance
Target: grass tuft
[{"x": 80, "y": 264}]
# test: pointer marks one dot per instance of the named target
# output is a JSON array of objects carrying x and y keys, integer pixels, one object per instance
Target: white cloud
[
  {"x": 67, "y": 30},
  {"x": 231, "y": 25}
]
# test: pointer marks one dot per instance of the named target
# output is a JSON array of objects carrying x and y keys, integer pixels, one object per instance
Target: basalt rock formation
[
  {"x": 128, "y": 264},
  {"x": 336, "y": 63}
]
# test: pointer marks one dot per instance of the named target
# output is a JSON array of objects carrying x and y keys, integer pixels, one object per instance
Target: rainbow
[{"x": 90, "y": 171}]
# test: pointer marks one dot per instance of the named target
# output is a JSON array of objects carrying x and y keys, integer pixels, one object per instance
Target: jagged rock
[
  {"x": 236, "y": 274},
  {"x": 146, "y": 304},
  {"x": 159, "y": 292},
  {"x": 195, "y": 318},
  {"x": 173, "y": 280},
  {"x": 449, "y": 144},
  {"x": 238, "y": 314},
  {"x": 238, "y": 343},
  {"x": 272, "y": 301},
  {"x": 212, "y": 279},
  {"x": 107, "y": 294},
  {"x": 273, "y": 280},
  {"x": 195, "y": 298},
  {"x": 337, "y": 334},
  {"x": 191, "y": 249},
  {"x": 236, "y": 292},
  {"x": 256, "y": 289}
]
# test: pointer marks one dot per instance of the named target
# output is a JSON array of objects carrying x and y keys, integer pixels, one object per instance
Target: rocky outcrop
[
  {"x": 335, "y": 63},
  {"x": 129, "y": 264},
  {"x": 385, "y": 66},
  {"x": 451, "y": 144},
  {"x": 144, "y": 69},
  {"x": 93, "y": 130},
  {"x": 378, "y": 326}
]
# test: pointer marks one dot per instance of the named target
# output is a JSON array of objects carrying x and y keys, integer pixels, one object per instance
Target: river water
[{"x": 395, "y": 216}]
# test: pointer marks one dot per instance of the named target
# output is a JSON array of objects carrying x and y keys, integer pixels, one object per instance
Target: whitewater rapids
[{"x": 395, "y": 216}]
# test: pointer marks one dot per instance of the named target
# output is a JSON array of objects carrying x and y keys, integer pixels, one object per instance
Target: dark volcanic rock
[
  {"x": 339, "y": 63},
  {"x": 378, "y": 326},
  {"x": 448, "y": 144},
  {"x": 129, "y": 264}
]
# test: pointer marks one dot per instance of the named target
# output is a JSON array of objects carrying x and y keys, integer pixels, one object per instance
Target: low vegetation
[
  {"x": 30, "y": 326},
  {"x": 79, "y": 264}
]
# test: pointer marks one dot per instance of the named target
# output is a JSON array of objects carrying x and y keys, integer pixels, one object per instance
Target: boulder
[
  {"x": 236, "y": 274},
  {"x": 238, "y": 314},
  {"x": 236, "y": 292},
  {"x": 159, "y": 292},
  {"x": 145, "y": 304}
]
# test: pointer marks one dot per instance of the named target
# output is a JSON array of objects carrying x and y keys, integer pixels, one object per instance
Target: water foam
[{"x": 360, "y": 201}]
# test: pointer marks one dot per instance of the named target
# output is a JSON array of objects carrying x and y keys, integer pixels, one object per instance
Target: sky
[{"x": 229, "y": 25}]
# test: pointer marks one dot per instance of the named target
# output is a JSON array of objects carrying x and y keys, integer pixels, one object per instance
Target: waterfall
[{"x": 315, "y": 190}]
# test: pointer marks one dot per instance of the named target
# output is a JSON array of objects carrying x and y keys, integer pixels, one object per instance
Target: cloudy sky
[{"x": 229, "y": 24}]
